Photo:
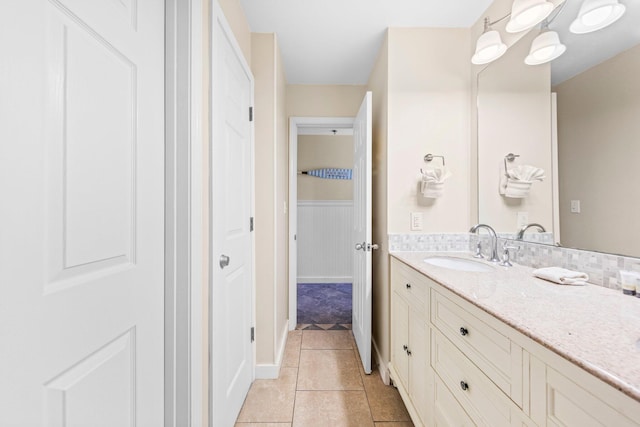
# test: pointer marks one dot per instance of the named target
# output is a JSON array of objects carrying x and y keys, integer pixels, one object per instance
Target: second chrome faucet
[{"x": 494, "y": 239}]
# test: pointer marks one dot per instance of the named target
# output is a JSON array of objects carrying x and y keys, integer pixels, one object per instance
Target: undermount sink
[{"x": 460, "y": 264}]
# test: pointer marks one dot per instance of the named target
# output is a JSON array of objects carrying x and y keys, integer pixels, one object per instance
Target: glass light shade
[
  {"x": 527, "y": 13},
  {"x": 595, "y": 15},
  {"x": 544, "y": 48},
  {"x": 489, "y": 47}
]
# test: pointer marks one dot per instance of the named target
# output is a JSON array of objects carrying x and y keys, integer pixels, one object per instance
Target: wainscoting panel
[{"x": 325, "y": 247}]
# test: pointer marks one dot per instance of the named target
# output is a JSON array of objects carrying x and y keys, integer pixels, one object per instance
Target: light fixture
[
  {"x": 595, "y": 15},
  {"x": 544, "y": 48},
  {"x": 489, "y": 46},
  {"x": 527, "y": 13}
]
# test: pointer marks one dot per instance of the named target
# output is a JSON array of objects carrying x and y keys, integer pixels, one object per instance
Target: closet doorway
[{"x": 321, "y": 223}]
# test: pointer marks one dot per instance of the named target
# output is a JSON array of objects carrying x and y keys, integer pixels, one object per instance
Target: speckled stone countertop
[{"x": 594, "y": 327}]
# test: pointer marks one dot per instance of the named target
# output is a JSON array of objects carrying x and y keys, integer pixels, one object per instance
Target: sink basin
[{"x": 460, "y": 264}]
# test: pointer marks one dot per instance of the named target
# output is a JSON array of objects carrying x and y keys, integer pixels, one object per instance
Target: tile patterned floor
[{"x": 322, "y": 384}]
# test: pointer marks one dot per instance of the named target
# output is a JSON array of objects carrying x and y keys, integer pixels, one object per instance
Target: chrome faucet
[
  {"x": 520, "y": 234},
  {"x": 494, "y": 240}
]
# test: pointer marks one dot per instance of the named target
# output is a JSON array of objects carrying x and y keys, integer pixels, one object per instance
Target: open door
[
  {"x": 232, "y": 245},
  {"x": 361, "y": 317}
]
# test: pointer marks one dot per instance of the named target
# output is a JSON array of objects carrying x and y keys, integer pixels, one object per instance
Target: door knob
[
  {"x": 360, "y": 246},
  {"x": 372, "y": 246},
  {"x": 224, "y": 261}
]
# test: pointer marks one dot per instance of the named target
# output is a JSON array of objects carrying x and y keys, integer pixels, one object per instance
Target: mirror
[{"x": 597, "y": 152}]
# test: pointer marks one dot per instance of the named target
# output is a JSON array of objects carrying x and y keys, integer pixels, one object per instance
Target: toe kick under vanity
[{"x": 502, "y": 348}]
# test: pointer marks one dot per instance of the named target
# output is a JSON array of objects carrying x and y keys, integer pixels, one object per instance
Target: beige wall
[
  {"x": 270, "y": 198},
  {"x": 514, "y": 116},
  {"x": 281, "y": 310},
  {"x": 324, "y": 100},
  {"x": 421, "y": 95},
  {"x": 378, "y": 85},
  {"x": 598, "y": 151},
  {"x": 324, "y": 151},
  {"x": 428, "y": 113}
]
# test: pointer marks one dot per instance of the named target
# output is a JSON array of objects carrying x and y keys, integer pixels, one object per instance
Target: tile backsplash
[
  {"x": 442, "y": 242},
  {"x": 602, "y": 268}
]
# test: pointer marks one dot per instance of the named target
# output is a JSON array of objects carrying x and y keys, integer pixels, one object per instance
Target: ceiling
[
  {"x": 586, "y": 50},
  {"x": 336, "y": 41}
]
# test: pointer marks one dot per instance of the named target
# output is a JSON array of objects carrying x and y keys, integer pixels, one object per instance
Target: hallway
[{"x": 322, "y": 384}]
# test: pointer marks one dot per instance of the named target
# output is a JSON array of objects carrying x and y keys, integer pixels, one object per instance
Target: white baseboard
[
  {"x": 341, "y": 279},
  {"x": 383, "y": 366},
  {"x": 272, "y": 371}
]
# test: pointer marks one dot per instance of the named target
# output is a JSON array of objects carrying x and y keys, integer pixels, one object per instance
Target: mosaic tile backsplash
[{"x": 602, "y": 268}]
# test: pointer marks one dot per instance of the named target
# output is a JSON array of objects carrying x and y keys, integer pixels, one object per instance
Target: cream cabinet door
[
  {"x": 400, "y": 339},
  {"x": 419, "y": 378},
  {"x": 578, "y": 401}
]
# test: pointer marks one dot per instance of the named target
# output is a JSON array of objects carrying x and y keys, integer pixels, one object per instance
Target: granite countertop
[{"x": 594, "y": 327}]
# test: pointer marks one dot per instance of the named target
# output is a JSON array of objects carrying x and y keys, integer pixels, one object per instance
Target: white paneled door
[
  {"x": 81, "y": 213},
  {"x": 231, "y": 207},
  {"x": 362, "y": 293}
]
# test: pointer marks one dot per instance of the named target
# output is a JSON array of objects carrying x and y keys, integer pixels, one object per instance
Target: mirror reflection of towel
[
  {"x": 517, "y": 181},
  {"x": 433, "y": 182},
  {"x": 526, "y": 173}
]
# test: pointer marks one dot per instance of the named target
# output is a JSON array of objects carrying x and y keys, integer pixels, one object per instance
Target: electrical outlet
[
  {"x": 416, "y": 221},
  {"x": 522, "y": 219},
  {"x": 575, "y": 206}
]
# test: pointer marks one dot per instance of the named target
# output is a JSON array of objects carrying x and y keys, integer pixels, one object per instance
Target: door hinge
[
  {"x": 253, "y": 333},
  {"x": 250, "y": 114},
  {"x": 251, "y": 224}
]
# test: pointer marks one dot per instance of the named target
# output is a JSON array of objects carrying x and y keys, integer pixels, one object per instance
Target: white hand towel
[
  {"x": 562, "y": 276},
  {"x": 516, "y": 183},
  {"x": 517, "y": 189},
  {"x": 433, "y": 182},
  {"x": 437, "y": 175},
  {"x": 526, "y": 173}
]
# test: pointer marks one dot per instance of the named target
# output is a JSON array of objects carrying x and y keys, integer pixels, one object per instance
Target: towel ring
[
  {"x": 429, "y": 157},
  {"x": 510, "y": 157}
]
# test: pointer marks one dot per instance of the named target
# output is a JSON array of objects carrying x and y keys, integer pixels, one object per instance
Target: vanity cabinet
[
  {"x": 410, "y": 339},
  {"x": 464, "y": 367},
  {"x": 483, "y": 340},
  {"x": 564, "y": 395}
]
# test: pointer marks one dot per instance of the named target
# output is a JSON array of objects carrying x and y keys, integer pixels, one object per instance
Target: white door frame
[
  {"x": 295, "y": 124},
  {"x": 184, "y": 351}
]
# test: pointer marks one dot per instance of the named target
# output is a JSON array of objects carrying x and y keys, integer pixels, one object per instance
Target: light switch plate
[
  {"x": 416, "y": 221},
  {"x": 575, "y": 206}
]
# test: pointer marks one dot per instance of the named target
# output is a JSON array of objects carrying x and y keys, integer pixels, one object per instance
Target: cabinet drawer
[
  {"x": 479, "y": 397},
  {"x": 447, "y": 410},
  {"x": 409, "y": 284},
  {"x": 492, "y": 351}
]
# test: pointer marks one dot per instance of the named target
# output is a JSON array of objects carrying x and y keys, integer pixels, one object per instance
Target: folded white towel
[
  {"x": 562, "y": 276},
  {"x": 437, "y": 175},
  {"x": 517, "y": 189},
  {"x": 432, "y": 190},
  {"x": 516, "y": 182},
  {"x": 433, "y": 182},
  {"x": 526, "y": 173}
]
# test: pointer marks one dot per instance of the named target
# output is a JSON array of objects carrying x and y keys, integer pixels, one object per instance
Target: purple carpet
[{"x": 324, "y": 303}]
